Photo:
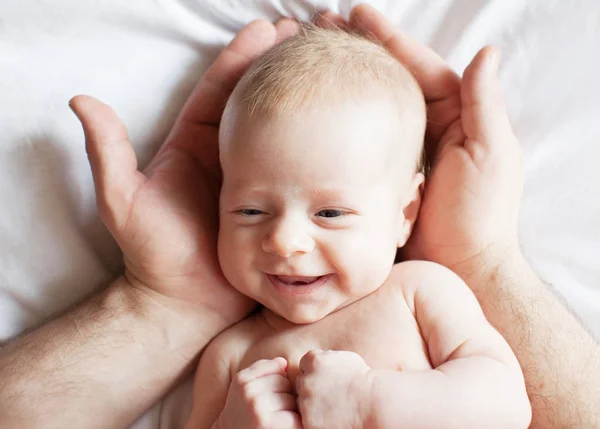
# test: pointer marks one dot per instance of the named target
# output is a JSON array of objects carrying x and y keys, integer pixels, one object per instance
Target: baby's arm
[
  {"x": 476, "y": 380},
  {"x": 211, "y": 385},
  {"x": 259, "y": 396}
]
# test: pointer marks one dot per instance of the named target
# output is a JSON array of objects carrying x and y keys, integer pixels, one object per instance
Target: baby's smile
[
  {"x": 297, "y": 280},
  {"x": 297, "y": 285}
]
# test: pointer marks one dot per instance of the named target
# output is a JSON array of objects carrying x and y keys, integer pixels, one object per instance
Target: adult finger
[
  {"x": 436, "y": 78},
  {"x": 286, "y": 27},
  {"x": 484, "y": 116},
  {"x": 111, "y": 156},
  {"x": 205, "y": 105},
  {"x": 440, "y": 115},
  {"x": 260, "y": 369},
  {"x": 330, "y": 20}
]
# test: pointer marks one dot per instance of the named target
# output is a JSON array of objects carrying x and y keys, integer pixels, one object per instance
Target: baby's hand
[
  {"x": 260, "y": 397},
  {"x": 331, "y": 389}
]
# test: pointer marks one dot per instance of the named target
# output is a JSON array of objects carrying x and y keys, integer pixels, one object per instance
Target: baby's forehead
[
  {"x": 357, "y": 195},
  {"x": 338, "y": 135},
  {"x": 319, "y": 71}
]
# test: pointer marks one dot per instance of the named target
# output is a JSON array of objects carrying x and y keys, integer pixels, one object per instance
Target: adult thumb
[
  {"x": 111, "y": 156},
  {"x": 484, "y": 116}
]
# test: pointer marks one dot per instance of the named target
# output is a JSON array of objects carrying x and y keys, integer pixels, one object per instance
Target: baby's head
[{"x": 320, "y": 146}]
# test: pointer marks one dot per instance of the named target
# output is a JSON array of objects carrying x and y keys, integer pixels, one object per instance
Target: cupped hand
[
  {"x": 165, "y": 218},
  {"x": 468, "y": 218}
]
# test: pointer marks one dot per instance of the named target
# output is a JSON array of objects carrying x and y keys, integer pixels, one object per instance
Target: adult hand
[
  {"x": 165, "y": 218},
  {"x": 468, "y": 218}
]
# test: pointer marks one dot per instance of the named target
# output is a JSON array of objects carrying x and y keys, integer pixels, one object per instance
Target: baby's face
[{"x": 311, "y": 206}]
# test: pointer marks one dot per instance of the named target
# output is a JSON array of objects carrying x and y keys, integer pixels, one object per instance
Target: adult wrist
[
  {"x": 504, "y": 283},
  {"x": 183, "y": 327},
  {"x": 492, "y": 266}
]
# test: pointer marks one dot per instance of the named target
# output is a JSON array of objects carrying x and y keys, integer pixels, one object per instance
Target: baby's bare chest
[{"x": 380, "y": 328}]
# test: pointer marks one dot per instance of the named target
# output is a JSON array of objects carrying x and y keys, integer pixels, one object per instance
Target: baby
[{"x": 321, "y": 145}]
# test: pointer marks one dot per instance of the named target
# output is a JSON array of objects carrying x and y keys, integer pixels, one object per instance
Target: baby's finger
[
  {"x": 270, "y": 403},
  {"x": 260, "y": 369},
  {"x": 308, "y": 360},
  {"x": 286, "y": 420},
  {"x": 274, "y": 383}
]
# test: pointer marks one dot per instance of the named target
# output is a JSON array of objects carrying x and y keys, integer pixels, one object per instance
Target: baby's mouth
[
  {"x": 297, "y": 280},
  {"x": 295, "y": 286}
]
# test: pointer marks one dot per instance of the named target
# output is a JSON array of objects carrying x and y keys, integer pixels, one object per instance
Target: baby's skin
[
  {"x": 314, "y": 203},
  {"x": 408, "y": 355}
]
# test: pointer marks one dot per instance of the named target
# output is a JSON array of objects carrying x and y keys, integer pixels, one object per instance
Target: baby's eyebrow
[
  {"x": 333, "y": 193},
  {"x": 337, "y": 195},
  {"x": 243, "y": 189}
]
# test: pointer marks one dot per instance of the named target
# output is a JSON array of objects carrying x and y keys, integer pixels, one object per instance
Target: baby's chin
[
  {"x": 294, "y": 317},
  {"x": 306, "y": 319}
]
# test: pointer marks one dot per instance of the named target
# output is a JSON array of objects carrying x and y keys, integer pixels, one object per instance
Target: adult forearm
[
  {"x": 101, "y": 364},
  {"x": 558, "y": 356}
]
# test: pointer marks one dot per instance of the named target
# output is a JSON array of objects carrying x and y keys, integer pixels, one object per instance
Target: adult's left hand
[{"x": 471, "y": 201}]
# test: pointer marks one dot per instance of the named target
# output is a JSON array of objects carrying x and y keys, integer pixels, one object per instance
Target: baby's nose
[{"x": 289, "y": 238}]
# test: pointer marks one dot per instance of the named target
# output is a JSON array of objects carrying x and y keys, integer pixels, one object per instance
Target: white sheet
[{"x": 143, "y": 57}]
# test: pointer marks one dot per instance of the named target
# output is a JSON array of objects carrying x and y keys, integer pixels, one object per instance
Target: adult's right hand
[{"x": 165, "y": 218}]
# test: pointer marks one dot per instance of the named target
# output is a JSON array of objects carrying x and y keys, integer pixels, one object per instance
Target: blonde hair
[{"x": 320, "y": 66}]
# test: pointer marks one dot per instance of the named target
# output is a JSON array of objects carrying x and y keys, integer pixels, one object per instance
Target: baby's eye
[
  {"x": 331, "y": 213},
  {"x": 250, "y": 212}
]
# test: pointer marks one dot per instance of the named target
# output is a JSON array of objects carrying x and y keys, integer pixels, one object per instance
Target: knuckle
[
  {"x": 322, "y": 359},
  {"x": 240, "y": 378},
  {"x": 312, "y": 355}
]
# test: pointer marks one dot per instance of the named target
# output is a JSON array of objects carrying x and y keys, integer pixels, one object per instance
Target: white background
[{"x": 143, "y": 57}]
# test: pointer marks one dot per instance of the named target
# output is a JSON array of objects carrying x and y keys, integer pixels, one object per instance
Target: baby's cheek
[
  {"x": 367, "y": 265},
  {"x": 238, "y": 247},
  {"x": 229, "y": 252}
]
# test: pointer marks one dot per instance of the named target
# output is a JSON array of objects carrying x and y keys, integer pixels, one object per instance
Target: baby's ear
[{"x": 410, "y": 208}]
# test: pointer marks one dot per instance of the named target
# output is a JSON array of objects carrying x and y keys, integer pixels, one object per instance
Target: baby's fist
[
  {"x": 332, "y": 389},
  {"x": 260, "y": 397}
]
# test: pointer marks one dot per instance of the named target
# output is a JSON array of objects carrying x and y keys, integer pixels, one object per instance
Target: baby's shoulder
[
  {"x": 231, "y": 344},
  {"x": 418, "y": 271},
  {"x": 418, "y": 276}
]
